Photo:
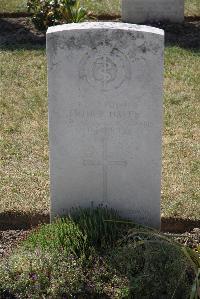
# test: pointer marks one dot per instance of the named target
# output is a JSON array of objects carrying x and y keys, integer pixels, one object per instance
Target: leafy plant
[
  {"x": 63, "y": 235},
  {"x": 53, "y": 12}
]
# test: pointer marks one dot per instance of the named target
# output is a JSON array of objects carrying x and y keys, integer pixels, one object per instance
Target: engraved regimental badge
[{"x": 105, "y": 68}]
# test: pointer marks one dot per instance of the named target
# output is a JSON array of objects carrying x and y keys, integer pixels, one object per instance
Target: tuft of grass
[
  {"x": 154, "y": 267},
  {"x": 99, "y": 224}
]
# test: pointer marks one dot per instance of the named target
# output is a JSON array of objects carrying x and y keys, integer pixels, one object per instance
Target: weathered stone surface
[
  {"x": 147, "y": 11},
  {"x": 105, "y": 118}
]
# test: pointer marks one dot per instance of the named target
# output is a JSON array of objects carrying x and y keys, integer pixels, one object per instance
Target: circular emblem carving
[{"x": 105, "y": 69}]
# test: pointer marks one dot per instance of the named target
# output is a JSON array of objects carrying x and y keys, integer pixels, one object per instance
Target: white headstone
[
  {"x": 105, "y": 118},
  {"x": 144, "y": 11}
]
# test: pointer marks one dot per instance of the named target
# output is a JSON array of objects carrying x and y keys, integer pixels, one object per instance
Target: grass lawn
[
  {"x": 24, "y": 140},
  {"x": 192, "y": 7},
  {"x": 24, "y": 137},
  {"x": 181, "y": 162},
  {"x": 13, "y": 5}
]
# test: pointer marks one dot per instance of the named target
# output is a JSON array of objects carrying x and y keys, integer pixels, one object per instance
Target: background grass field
[
  {"x": 24, "y": 136},
  {"x": 192, "y": 7}
]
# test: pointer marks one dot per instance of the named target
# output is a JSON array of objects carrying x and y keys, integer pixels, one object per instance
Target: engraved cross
[{"x": 104, "y": 163}]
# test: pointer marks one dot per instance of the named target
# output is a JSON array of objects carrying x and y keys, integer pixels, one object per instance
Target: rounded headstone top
[{"x": 106, "y": 26}]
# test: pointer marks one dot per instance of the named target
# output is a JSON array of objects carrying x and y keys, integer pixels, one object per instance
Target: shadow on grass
[
  {"x": 186, "y": 35},
  {"x": 20, "y": 220},
  {"x": 178, "y": 225},
  {"x": 21, "y": 33}
]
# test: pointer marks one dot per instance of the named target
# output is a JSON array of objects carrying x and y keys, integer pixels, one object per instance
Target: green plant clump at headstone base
[
  {"x": 96, "y": 254},
  {"x": 54, "y": 12}
]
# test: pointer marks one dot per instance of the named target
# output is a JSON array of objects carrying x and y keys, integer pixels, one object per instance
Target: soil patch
[
  {"x": 10, "y": 239},
  {"x": 22, "y": 221}
]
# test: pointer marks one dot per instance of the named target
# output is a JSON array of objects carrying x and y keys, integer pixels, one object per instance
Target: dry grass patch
[
  {"x": 181, "y": 167},
  {"x": 108, "y": 7},
  {"x": 13, "y": 5},
  {"x": 24, "y": 146},
  {"x": 192, "y": 7}
]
